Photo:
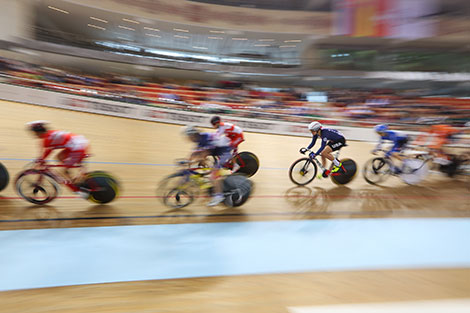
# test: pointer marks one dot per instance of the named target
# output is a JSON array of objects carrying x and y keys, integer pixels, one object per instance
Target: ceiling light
[
  {"x": 125, "y": 27},
  {"x": 218, "y": 38},
  {"x": 179, "y": 36},
  {"x": 293, "y": 40},
  {"x": 181, "y": 30},
  {"x": 98, "y": 19},
  {"x": 217, "y": 31},
  {"x": 288, "y": 46},
  {"x": 130, "y": 21},
  {"x": 239, "y": 38},
  {"x": 263, "y": 45},
  {"x": 57, "y": 9},
  {"x": 95, "y": 26},
  {"x": 265, "y": 39},
  {"x": 150, "y": 28},
  {"x": 153, "y": 35},
  {"x": 203, "y": 48}
]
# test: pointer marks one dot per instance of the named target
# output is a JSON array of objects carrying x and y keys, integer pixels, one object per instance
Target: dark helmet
[
  {"x": 215, "y": 120},
  {"x": 37, "y": 126}
]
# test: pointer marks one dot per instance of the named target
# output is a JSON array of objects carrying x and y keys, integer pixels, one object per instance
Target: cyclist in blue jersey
[
  {"x": 331, "y": 140},
  {"x": 399, "y": 143},
  {"x": 210, "y": 144}
]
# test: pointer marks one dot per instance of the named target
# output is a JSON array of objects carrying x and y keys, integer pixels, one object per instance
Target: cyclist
[
  {"x": 215, "y": 145},
  {"x": 399, "y": 143},
  {"x": 74, "y": 150},
  {"x": 438, "y": 136},
  {"x": 233, "y": 132},
  {"x": 331, "y": 140}
]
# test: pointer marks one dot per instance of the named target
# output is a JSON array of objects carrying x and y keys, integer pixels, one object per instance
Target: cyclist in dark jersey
[
  {"x": 215, "y": 145},
  {"x": 331, "y": 140}
]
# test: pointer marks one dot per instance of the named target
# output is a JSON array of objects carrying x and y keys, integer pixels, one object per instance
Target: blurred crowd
[{"x": 342, "y": 106}]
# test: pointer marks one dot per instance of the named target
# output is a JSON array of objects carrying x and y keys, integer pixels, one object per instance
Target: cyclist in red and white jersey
[
  {"x": 231, "y": 131},
  {"x": 74, "y": 147}
]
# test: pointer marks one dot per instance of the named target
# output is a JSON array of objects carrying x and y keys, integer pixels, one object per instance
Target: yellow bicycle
[{"x": 181, "y": 188}]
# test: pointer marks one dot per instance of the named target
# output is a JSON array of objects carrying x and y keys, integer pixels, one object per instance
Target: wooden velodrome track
[{"x": 141, "y": 153}]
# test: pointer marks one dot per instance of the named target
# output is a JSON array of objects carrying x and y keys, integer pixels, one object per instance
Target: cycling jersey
[
  {"x": 75, "y": 146},
  {"x": 218, "y": 146},
  {"x": 328, "y": 136},
  {"x": 233, "y": 132},
  {"x": 399, "y": 141}
]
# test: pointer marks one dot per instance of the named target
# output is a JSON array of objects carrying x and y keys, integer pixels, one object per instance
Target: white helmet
[{"x": 315, "y": 126}]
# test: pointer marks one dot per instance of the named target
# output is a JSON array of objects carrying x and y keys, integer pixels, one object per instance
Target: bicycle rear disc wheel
[
  {"x": 36, "y": 187},
  {"x": 303, "y": 171},
  {"x": 345, "y": 177},
  {"x": 248, "y": 162},
  {"x": 237, "y": 190},
  {"x": 376, "y": 171},
  {"x": 4, "y": 177},
  {"x": 103, "y": 187}
]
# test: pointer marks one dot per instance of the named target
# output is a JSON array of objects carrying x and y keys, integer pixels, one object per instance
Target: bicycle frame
[
  {"x": 192, "y": 176},
  {"x": 57, "y": 177},
  {"x": 320, "y": 165}
]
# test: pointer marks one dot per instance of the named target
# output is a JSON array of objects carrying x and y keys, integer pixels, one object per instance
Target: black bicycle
[{"x": 304, "y": 170}]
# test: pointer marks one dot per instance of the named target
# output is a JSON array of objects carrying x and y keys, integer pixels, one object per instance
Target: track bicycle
[
  {"x": 304, "y": 170},
  {"x": 181, "y": 188},
  {"x": 41, "y": 184},
  {"x": 413, "y": 170}
]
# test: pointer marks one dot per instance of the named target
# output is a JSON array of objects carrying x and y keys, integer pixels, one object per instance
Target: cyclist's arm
[
  {"x": 379, "y": 144},
  {"x": 46, "y": 153},
  {"x": 239, "y": 139},
  {"x": 198, "y": 155},
  {"x": 389, "y": 135},
  {"x": 314, "y": 139}
]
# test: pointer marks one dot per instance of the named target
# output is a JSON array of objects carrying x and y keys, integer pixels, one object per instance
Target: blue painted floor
[{"x": 70, "y": 256}]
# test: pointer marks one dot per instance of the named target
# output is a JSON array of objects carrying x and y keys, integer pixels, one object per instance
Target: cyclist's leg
[
  {"x": 335, "y": 146},
  {"x": 224, "y": 156},
  {"x": 62, "y": 157},
  {"x": 326, "y": 154},
  {"x": 74, "y": 158},
  {"x": 395, "y": 154}
]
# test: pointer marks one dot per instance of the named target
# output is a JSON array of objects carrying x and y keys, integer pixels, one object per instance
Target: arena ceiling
[{"x": 73, "y": 21}]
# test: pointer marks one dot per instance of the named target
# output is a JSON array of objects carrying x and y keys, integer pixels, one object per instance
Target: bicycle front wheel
[
  {"x": 177, "y": 191},
  {"x": 178, "y": 198},
  {"x": 302, "y": 171},
  {"x": 36, "y": 187},
  {"x": 376, "y": 171}
]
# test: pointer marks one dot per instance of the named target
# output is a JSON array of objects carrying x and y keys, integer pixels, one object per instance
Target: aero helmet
[
  {"x": 37, "y": 126},
  {"x": 315, "y": 126},
  {"x": 381, "y": 128}
]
